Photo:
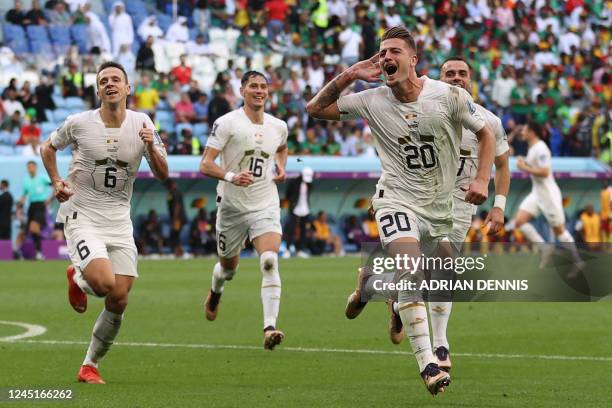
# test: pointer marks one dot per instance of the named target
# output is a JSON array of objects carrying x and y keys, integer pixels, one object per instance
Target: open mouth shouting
[
  {"x": 390, "y": 68},
  {"x": 111, "y": 92}
]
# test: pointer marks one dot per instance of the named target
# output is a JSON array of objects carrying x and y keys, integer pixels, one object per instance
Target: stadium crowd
[{"x": 548, "y": 60}]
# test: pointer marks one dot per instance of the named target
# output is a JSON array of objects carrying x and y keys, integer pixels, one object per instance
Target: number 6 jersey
[
  {"x": 418, "y": 144},
  {"x": 104, "y": 165},
  {"x": 245, "y": 145}
]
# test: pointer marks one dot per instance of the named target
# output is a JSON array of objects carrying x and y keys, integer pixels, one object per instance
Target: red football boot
[
  {"x": 90, "y": 375},
  {"x": 76, "y": 297}
]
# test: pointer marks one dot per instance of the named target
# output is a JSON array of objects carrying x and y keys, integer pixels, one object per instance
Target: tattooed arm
[{"x": 323, "y": 105}]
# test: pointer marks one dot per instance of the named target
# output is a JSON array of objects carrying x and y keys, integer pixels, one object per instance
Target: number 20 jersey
[
  {"x": 418, "y": 144},
  {"x": 104, "y": 165},
  {"x": 245, "y": 145}
]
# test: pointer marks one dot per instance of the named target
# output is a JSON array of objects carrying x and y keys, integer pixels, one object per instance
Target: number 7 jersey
[
  {"x": 245, "y": 145},
  {"x": 104, "y": 164},
  {"x": 418, "y": 144}
]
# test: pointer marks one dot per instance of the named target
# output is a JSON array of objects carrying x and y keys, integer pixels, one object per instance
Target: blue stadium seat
[
  {"x": 60, "y": 114},
  {"x": 6, "y": 150},
  {"x": 80, "y": 37},
  {"x": 200, "y": 130},
  {"x": 46, "y": 128},
  {"x": 50, "y": 116},
  {"x": 164, "y": 116},
  {"x": 74, "y": 102},
  {"x": 15, "y": 38},
  {"x": 59, "y": 101},
  {"x": 164, "y": 21},
  {"x": 60, "y": 38}
]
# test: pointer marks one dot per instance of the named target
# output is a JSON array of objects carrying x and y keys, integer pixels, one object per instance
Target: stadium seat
[
  {"x": 46, "y": 128},
  {"x": 80, "y": 37},
  {"x": 200, "y": 130},
  {"x": 164, "y": 115},
  {"x": 15, "y": 38},
  {"x": 6, "y": 150},
  {"x": 164, "y": 21},
  {"x": 59, "y": 101},
  {"x": 74, "y": 102},
  {"x": 60, "y": 37},
  {"x": 60, "y": 115}
]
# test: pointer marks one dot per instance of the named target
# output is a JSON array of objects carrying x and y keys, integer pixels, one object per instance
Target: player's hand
[
  {"x": 146, "y": 135},
  {"x": 62, "y": 190},
  {"x": 367, "y": 70},
  {"x": 496, "y": 218},
  {"x": 477, "y": 192},
  {"x": 280, "y": 175},
  {"x": 520, "y": 163},
  {"x": 243, "y": 179}
]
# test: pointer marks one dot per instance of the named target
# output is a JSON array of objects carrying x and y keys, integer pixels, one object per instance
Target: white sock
[
  {"x": 270, "y": 287},
  {"x": 439, "y": 313},
  {"x": 79, "y": 279},
  {"x": 531, "y": 233},
  {"x": 219, "y": 276},
  {"x": 396, "y": 308},
  {"x": 104, "y": 332},
  {"x": 569, "y": 244},
  {"x": 414, "y": 318}
]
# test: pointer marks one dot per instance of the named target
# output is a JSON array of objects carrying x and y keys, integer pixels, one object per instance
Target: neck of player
[
  {"x": 113, "y": 114},
  {"x": 256, "y": 114},
  {"x": 408, "y": 90}
]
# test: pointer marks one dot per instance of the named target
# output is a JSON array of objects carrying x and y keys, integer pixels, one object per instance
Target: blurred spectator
[
  {"x": 370, "y": 227},
  {"x": 217, "y": 107},
  {"x": 98, "y": 37},
  {"x": 178, "y": 32},
  {"x": 147, "y": 97},
  {"x": 298, "y": 195},
  {"x": 521, "y": 103},
  {"x": 194, "y": 91},
  {"x": 12, "y": 85},
  {"x": 202, "y": 234},
  {"x": 189, "y": 145},
  {"x": 276, "y": 12},
  {"x": 182, "y": 72},
  {"x": 183, "y": 110},
  {"x": 353, "y": 231},
  {"x": 12, "y": 123},
  {"x": 323, "y": 236},
  {"x": 127, "y": 58},
  {"x": 43, "y": 93},
  {"x": 36, "y": 189},
  {"x": 351, "y": 42},
  {"x": 16, "y": 15},
  {"x": 606, "y": 212},
  {"x": 201, "y": 109},
  {"x": 502, "y": 88},
  {"x": 11, "y": 104},
  {"x": 59, "y": 15},
  {"x": 6, "y": 209},
  {"x": 198, "y": 47},
  {"x": 149, "y": 27},
  {"x": 36, "y": 16},
  {"x": 28, "y": 133},
  {"x": 150, "y": 235},
  {"x": 145, "y": 60},
  {"x": 72, "y": 82},
  {"x": 176, "y": 212},
  {"x": 121, "y": 26},
  {"x": 589, "y": 226}
]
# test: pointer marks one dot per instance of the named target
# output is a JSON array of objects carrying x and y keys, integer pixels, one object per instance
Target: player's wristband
[
  {"x": 229, "y": 176},
  {"x": 500, "y": 202}
]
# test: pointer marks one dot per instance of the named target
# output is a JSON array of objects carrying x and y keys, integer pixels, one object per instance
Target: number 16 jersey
[
  {"x": 418, "y": 144},
  {"x": 247, "y": 146},
  {"x": 104, "y": 164}
]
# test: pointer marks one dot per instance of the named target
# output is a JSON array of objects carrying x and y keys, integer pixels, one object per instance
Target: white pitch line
[
  {"x": 32, "y": 330},
  {"x": 323, "y": 350}
]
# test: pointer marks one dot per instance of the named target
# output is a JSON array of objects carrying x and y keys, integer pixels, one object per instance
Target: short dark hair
[
  {"x": 401, "y": 33},
  {"x": 112, "y": 64},
  {"x": 535, "y": 127},
  {"x": 250, "y": 74},
  {"x": 456, "y": 58},
  {"x": 31, "y": 162},
  {"x": 4, "y": 183}
]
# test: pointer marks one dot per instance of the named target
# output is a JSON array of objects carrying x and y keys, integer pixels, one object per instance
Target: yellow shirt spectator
[
  {"x": 591, "y": 224},
  {"x": 147, "y": 99}
]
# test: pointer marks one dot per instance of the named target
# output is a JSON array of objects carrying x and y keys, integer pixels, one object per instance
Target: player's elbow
[
  {"x": 162, "y": 174},
  {"x": 313, "y": 110},
  {"x": 205, "y": 167}
]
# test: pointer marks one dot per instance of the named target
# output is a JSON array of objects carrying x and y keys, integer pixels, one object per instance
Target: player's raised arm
[
  {"x": 209, "y": 168},
  {"x": 478, "y": 190},
  {"x": 324, "y": 104},
  {"x": 155, "y": 152}
]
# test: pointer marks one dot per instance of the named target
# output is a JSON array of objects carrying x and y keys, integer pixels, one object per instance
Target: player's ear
[{"x": 242, "y": 91}]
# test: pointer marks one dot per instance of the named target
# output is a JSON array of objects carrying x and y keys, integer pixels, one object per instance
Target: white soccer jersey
[
  {"x": 104, "y": 165},
  {"x": 468, "y": 161},
  {"x": 245, "y": 145},
  {"x": 545, "y": 188},
  {"x": 418, "y": 144}
]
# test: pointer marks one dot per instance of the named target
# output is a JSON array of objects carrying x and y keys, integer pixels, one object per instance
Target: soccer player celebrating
[
  {"x": 456, "y": 71},
  {"x": 108, "y": 144},
  {"x": 417, "y": 124},
  {"x": 251, "y": 144},
  {"x": 545, "y": 196}
]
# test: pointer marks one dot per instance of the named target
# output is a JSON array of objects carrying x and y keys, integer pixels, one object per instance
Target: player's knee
[
  {"x": 224, "y": 272},
  {"x": 103, "y": 286},
  {"x": 268, "y": 262}
]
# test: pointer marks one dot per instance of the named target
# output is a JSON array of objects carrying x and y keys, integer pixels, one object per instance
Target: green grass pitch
[{"x": 499, "y": 349}]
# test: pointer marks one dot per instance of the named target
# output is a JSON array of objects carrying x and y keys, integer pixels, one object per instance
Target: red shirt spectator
[
  {"x": 277, "y": 9},
  {"x": 183, "y": 110},
  {"x": 28, "y": 132},
  {"x": 182, "y": 72}
]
